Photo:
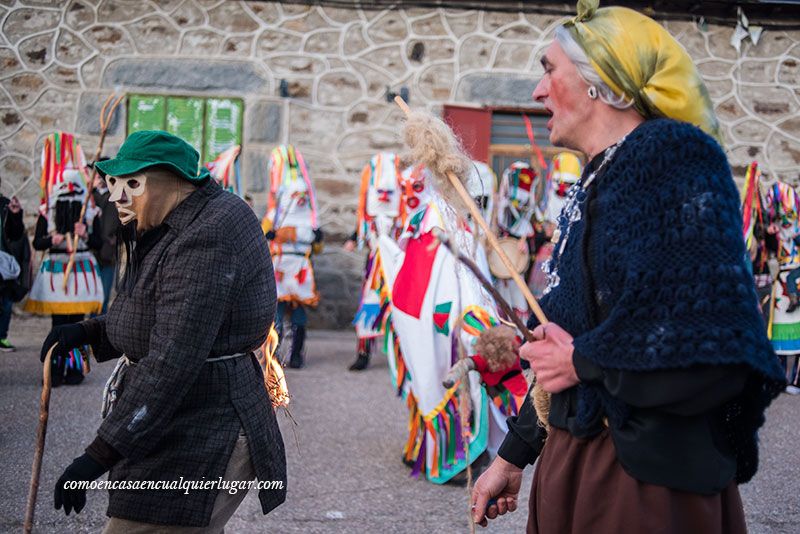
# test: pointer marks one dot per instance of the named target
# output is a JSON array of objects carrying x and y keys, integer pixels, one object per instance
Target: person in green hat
[{"x": 187, "y": 399}]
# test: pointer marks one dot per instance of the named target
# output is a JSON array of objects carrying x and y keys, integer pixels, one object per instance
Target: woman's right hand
[
  {"x": 57, "y": 239},
  {"x": 501, "y": 482}
]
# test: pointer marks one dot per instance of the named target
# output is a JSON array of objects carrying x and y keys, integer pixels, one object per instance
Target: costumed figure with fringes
[
  {"x": 292, "y": 227},
  {"x": 225, "y": 170},
  {"x": 381, "y": 212},
  {"x": 437, "y": 306},
  {"x": 783, "y": 232},
  {"x": 565, "y": 170},
  {"x": 481, "y": 184},
  {"x": 516, "y": 207},
  {"x": 64, "y": 190}
]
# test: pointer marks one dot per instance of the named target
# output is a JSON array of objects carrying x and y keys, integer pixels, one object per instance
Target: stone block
[
  {"x": 462, "y": 23},
  {"x": 429, "y": 26},
  {"x": 338, "y": 89},
  {"x": 783, "y": 152},
  {"x": 70, "y": 49},
  {"x": 21, "y": 23},
  {"x": 201, "y": 43},
  {"x": 354, "y": 41},
  {"x": 278, "y": 41},
  {"x": 109, "y": 40},
  {"x": 436, "y": 82},
  {"x": 254, "y": 171},
  {"x": 512, "y": 56},
  {"x": 390, "y": 58},
  {"x": 88, "y": 119},
  {"x": 323, "y": 42},
  {"x": 66, "y": 77},
  {"x": 497, "y": 89},
  {"x": 79, "y": 15},
  {"x": 188, "y": 15},
  {"x": 789, "y": 71},
  {"x": 494, "y": 20},
  {"x": 475, "y": 52},
  {"x": 123, "y": 10},
  {"x": 307, "y": 23},
  {"x": 263, "y": 122},
  {"x": 232, "y": 17},
  {"x": 389, "y": 28},
  {"x": 24, "y": 87},
  {"x": 751, "y": 131},
  {"x": 15, "y": 170},
  {"x": 35, "y": 51},
  {"x": 54, "y": 110},
  {"x": 186, "y": 75},
  {"x": 237, "y": 46},
  {"x": 92, "y": 71},
  {"x": 266, "y": 11},
  {"x": 154, "y": 35},
  {"x": 9, "y": 63}
]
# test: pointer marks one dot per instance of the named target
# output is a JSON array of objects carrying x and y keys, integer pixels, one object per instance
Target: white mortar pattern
[{"x": 383, "y": 118}]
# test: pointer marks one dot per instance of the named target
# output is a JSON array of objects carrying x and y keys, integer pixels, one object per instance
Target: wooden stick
[
  {"x": 106, "y": 114},
  {"x": 492, "y": 240},
  {"x": 44, "y": 412}
]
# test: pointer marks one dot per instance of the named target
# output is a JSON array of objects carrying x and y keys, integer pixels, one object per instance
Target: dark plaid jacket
[{"x": 205, "y": 289}]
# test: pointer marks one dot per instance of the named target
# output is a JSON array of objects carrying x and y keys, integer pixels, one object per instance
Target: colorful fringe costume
[
  {"x": 565, "y": 170},
  {"x": 292, "y": 215},
  {"x": 430, "y": 294},
  {"x": 381, "y": 214},
  {"x": 64, "y": 189},
  {"x": 225, "y": 170},
  {"x": 516, "y": 209}
]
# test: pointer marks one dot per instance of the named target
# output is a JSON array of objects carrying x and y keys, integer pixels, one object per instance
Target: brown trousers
[
  {"x": 579, "y": 486},
  {"x": 240, "y": 467}
]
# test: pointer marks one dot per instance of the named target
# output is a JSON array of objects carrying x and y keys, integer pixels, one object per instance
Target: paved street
[{"x": 345, "y": 473}]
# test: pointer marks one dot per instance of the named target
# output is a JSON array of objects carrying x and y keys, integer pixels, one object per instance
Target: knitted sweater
[{"x": 662, "y": 284}]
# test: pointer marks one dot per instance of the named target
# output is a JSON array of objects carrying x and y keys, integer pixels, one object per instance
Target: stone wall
[{"x": 60, "y": 59}]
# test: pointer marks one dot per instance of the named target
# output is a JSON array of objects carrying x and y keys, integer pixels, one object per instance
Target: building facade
[{"x": 322, "y": 77}]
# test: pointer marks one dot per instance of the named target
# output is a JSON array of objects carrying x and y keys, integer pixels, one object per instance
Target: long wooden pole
[
  {"x": 106, "y": 114},
  {"x": 44, "y": 413},
  {"x": 492, "y": 240}
]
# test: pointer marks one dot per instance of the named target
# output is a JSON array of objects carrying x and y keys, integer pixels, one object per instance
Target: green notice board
[
  {"x": 223, "y": 127},
  {"x": 210, "y": 125},
  {"x": 146, "y": 113},
  {"x": 185, "y": 119}
]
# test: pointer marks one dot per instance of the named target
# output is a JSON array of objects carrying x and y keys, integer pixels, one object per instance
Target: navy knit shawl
[{"x": 667, "y": 269}]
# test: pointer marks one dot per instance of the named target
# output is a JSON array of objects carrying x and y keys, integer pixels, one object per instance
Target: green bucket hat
[{"x": 151, "y": 148}]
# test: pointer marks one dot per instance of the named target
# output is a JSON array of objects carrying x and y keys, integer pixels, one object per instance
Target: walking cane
[
  {"x": 44, "y": 412},
  {"x": 106, "y": 114}
]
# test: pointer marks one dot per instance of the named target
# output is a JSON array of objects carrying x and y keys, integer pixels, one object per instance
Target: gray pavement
[{"x": 345, "y": 473}]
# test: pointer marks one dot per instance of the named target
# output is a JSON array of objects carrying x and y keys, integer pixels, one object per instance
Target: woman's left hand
[{"x": 550, "y": 357}]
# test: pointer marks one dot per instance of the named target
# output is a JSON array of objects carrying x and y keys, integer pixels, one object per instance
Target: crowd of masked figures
[{"x": 452, "y": 354}]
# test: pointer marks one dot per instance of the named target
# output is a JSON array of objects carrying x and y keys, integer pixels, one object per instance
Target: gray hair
[{"x": 586, "y": 71}]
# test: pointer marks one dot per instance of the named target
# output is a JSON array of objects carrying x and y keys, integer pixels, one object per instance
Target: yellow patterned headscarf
[{"x": 637, "y": 57}]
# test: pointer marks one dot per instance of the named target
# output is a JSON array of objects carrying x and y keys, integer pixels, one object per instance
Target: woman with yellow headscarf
[{"x": 655, "y": 355}]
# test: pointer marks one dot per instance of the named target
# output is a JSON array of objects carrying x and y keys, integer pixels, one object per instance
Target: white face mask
[{"x": 122, "y": 192}]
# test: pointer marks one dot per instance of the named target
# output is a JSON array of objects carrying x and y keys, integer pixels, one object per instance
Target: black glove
[
  {"x": 82, "y": 468},
  {"x": 68, "y": 337},
  {"x": 318, "y": 235},
  {"x": 270, "y": 235}
]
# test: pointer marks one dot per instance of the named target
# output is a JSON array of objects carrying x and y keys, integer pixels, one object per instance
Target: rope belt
[{"x": 112, "y": 389}]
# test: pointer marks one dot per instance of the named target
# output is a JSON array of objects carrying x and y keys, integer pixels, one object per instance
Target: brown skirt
[{"x": 580, "y": 487}]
